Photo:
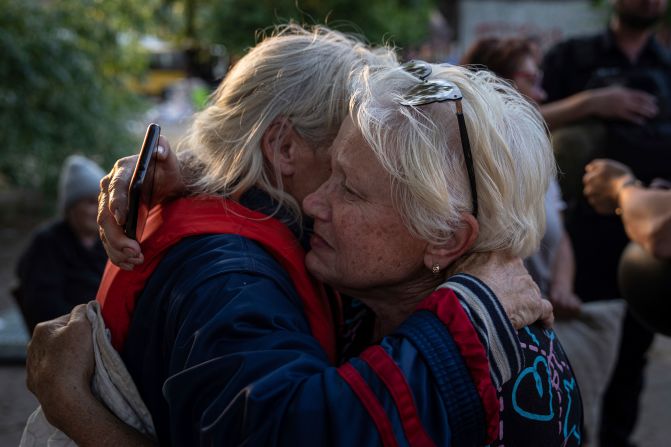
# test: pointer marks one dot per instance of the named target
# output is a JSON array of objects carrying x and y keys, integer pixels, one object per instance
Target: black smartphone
[{"x": 139, "y": 177}]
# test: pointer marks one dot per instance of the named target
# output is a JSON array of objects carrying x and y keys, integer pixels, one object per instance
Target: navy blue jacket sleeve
[{"x": 245, "y": 369}]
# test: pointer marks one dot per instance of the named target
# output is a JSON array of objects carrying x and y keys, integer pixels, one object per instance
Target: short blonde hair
[
  {"x": 299, "y": 74},
  {"x": 421, "y": 149}
]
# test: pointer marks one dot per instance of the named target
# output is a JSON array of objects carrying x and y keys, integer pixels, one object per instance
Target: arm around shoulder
[{"x": 248, "y": 369}]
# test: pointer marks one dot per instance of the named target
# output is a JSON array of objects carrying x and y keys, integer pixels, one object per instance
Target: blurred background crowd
[{"x": 80, "y": 80}]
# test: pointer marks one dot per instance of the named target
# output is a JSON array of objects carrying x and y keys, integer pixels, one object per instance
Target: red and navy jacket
[{"x": 224, "y": 352}]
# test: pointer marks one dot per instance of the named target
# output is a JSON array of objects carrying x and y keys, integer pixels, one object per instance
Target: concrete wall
[{"x": 549, "y": 20}]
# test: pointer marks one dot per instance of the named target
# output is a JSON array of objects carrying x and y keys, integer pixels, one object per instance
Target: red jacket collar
[{"x": 168, "y": 224}]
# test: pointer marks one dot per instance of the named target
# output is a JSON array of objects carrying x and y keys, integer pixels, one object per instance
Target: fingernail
[{"x": 160, "y": 150}]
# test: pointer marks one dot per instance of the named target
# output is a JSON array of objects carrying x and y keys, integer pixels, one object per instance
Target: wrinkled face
[
  {"x": 360, "y": 242},
  {"x": 528, "y": 78}
]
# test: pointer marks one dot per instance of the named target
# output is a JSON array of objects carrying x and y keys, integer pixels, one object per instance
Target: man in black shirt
[{"x": 626, "y": 54}]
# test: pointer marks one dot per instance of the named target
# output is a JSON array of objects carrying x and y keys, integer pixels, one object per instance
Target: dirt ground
[{"x": 16, "y": 402}]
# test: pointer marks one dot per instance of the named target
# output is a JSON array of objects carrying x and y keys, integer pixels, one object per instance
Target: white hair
[
  {"x": 298, "y": 74},
  {"x": 420, "y": 147}
]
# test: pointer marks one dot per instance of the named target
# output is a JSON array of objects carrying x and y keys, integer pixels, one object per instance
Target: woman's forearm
[
  {"x": 95, "y": 425},
  {"x": 59, "y": 369},
  {"x": 646, "y": 214},
  {"x": 566, "y": 111}
]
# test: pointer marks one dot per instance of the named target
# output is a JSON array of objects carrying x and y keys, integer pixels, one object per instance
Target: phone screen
[{"x": 135, "y": 222}]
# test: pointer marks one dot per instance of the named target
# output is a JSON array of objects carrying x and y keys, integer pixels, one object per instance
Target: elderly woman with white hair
[
  {"x": 432, "y": 167},
  {"x": 230, "y": 342}
]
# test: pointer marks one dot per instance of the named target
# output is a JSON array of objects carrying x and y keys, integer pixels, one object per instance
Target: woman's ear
[
  {"x": 279, "y": 145},
  {"x": 463, "y": 238}
]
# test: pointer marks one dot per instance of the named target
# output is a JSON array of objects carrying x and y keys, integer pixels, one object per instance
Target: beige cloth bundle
[{"x": 111, "y": 383}]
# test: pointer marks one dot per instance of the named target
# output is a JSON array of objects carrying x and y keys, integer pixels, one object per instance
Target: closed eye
[{"x": 349, "y": 191}]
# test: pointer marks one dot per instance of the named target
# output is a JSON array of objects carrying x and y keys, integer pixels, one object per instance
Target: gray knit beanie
[{"x": 80, "y": 179}]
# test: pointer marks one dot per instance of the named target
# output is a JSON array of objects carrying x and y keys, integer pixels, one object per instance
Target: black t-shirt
[
  {"x": 576, "y": 64},
  {"x": 596, "y": 61},
  {"x": 592, "y": 62}
]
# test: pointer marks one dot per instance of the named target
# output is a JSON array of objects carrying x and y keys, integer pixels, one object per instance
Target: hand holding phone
[{"x": 139, "y": 177}]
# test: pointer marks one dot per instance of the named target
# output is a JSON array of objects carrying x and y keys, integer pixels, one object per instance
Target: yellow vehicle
[{"x": 167, "y": 65}]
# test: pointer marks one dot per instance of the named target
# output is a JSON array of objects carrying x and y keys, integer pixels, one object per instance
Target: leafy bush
[
  {"x": 65, "y": 65},
  {"x": 62, "y": 89},
  {"x": 235, "y": 22}
]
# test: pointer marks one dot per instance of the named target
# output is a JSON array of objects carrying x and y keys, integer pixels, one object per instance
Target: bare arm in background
[
  {"x": 615, "y": 102},
  {"x": 646, "y": 213}
]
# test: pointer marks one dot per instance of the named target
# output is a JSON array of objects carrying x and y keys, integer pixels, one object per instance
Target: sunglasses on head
[{"x": 429, "y": 91}]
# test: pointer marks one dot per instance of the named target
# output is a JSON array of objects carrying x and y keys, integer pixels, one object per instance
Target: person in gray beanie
[
  {"x": 79, "y": 179},
  {"x": 64, "y": 261}
]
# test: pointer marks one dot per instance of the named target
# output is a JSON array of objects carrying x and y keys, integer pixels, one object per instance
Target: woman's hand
[
  {"x": 166, "y": 184},
  {"x": 603, "y": 181},
  {"x": 60, "y": 364},
  {"x": 511, "y": 283}
]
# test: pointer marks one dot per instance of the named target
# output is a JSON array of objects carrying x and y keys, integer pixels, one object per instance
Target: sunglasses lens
[
  {"x": 420, "y": 69},
  {"x": 435, "y": 90}
]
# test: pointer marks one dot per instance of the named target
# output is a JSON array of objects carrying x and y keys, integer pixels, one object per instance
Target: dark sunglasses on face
[{"x": 429, "y": 91}]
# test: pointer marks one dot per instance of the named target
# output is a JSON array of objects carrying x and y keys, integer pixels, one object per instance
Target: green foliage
[
  {"x": 65, "y": 65},
  {"x": 235, "y": 23},
  {"x": 62, "y": 89}
]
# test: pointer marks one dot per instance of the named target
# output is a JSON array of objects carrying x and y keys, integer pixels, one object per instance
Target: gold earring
[{"x": 435, "y": 269}]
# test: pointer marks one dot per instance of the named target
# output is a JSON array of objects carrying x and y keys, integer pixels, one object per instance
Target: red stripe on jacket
[
  {"x": 371, "y": 404},
  {"x": 445, "y": 305},
  {"x": 392, "y": 376},
  {"x": 169, "y": 223}
]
